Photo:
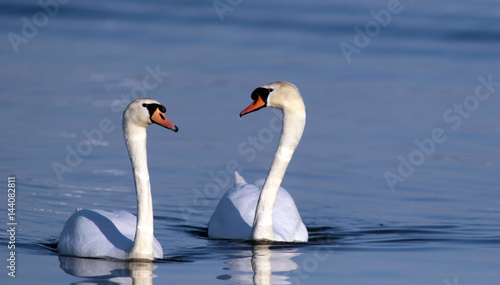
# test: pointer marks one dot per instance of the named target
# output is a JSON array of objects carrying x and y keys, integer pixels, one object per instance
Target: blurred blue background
[{"x": 376, "y": 76}]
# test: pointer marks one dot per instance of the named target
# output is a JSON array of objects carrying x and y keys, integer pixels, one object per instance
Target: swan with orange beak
[{"x": 264, "y": 211}]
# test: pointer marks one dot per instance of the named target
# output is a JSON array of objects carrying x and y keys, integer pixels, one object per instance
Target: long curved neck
[
  {"x": 135, "y": 137},
  {"x": 294, "y": 119}
]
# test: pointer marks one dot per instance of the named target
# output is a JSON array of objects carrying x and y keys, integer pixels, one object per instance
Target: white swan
[
  {"x": 119, "y": 234},
  {"x": 265, "y": 211}
]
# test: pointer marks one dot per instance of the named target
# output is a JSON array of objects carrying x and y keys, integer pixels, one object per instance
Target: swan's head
[
  {"x": 144, "y": 111},
  {"x": 280, "y": 95}
]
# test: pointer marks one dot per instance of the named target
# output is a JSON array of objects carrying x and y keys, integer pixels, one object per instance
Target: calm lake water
[{"x": 396, "y": 176}]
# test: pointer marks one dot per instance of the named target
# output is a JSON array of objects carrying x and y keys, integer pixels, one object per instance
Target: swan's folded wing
[
  {"x": 233, "y": 217},
  {"x": 287, "y": 223},
  {"x": 238, "y": 179}
]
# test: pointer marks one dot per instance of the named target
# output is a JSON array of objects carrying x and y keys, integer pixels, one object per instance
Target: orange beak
[
  {"x": 256, "y": 105},
  {"x": 162, "y": 120}
]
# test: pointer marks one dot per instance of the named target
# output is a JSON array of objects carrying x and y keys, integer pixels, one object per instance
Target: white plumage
[
  {"x": 233, "y": 218},
  {"x": 119, "y": 234},
  {"x": 266, "y": 211},
  {"x": 98, "y": 233}
]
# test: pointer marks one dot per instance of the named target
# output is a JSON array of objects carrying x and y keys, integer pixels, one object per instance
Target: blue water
[{"x": 408, "y": 103}]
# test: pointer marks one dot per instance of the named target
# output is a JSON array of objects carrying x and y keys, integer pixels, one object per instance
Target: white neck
[
  {"x": 294, "y": 119},
  {"x": 135, "y": 137}
]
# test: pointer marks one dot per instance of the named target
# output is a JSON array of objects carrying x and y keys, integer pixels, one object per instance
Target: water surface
[{"x": 438, "y": 224}]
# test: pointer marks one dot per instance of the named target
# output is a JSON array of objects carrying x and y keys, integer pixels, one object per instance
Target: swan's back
[
  {"x": 233, "y": 218},
  {"x": 287, "y": 223},
  {"x": 98, "y": 233}
]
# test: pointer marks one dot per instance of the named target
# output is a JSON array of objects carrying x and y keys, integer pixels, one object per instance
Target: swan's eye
[
  {"x": 262, "y": 93},
  {"x": 153, "y": 107}
]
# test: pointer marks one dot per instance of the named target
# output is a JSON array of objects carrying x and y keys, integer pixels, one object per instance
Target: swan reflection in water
[
  {"x": 261, "y": 266},
  {"x": 98, "y": 270}
]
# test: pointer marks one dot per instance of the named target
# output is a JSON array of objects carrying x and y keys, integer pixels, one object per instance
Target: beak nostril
[{"x": 163, "y": 117}]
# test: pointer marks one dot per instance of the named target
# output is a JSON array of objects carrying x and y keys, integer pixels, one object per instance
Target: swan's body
[
  {"x": 266, "y": 211},
  {"x": 119, "y": 234},
  {"x": 235, "y": 214},
  {"x": 98, "y": 233}
]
